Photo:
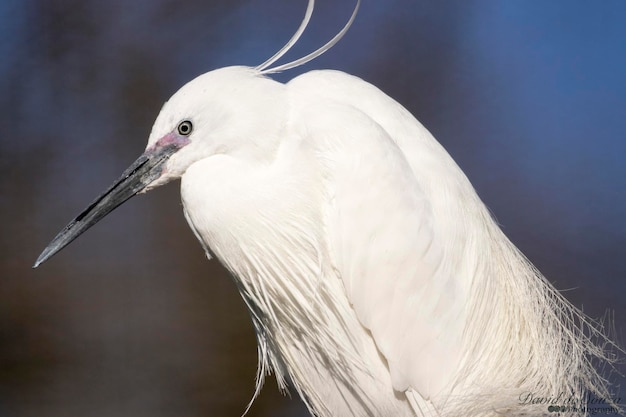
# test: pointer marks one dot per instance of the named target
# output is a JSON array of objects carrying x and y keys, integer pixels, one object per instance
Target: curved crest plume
[{"x": 264, "y": 68}]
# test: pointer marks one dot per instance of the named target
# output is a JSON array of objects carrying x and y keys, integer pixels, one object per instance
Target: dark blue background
[{"x": 131, "y": 320}]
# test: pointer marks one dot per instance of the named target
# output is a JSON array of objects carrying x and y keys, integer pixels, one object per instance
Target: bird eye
[{"x": 185, "y": 127}]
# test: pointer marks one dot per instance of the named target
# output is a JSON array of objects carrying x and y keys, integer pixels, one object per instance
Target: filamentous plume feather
[{"x": 265, "y": 68}]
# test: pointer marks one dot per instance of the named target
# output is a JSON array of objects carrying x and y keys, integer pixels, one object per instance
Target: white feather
[
  {"x": 377, "y": 280},
  {"x": 263, "y": 68}
]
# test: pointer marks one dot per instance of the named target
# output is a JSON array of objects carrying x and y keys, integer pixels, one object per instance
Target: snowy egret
[{"x": 377, "y": 281}]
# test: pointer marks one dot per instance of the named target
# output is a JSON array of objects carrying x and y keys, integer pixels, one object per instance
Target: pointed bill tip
[
  {"x": 41, "y": 259},
  {"x": 140, "y": 174},
  {"x": 48, "y": 252}
]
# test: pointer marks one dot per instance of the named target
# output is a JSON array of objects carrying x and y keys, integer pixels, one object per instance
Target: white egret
[{"x": 377, "y": 281}]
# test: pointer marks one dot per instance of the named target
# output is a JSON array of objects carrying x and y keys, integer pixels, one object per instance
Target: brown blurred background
[{"x": 131, "y": 320}]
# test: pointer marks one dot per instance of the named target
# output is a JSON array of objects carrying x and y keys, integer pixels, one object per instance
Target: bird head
[{"x": 233, "y": 110}]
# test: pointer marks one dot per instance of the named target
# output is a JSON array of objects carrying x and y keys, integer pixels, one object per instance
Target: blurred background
[{"x": 131, "y": 320}]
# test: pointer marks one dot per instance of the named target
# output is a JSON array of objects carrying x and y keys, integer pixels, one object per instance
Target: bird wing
[{"x": 385, "y": 237}]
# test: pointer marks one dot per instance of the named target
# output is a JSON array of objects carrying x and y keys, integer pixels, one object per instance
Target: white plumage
[
  {"x": 377, "y": 281},
  {"x": 367, "y": 259}
]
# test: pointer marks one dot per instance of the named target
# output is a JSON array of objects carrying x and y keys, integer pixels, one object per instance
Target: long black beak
[{"x": 142, "y": 172}]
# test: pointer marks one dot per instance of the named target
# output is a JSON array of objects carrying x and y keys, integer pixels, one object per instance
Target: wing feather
[
  {"x": 385, "y": 245},
  {"x": 464, "y": 322}
]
